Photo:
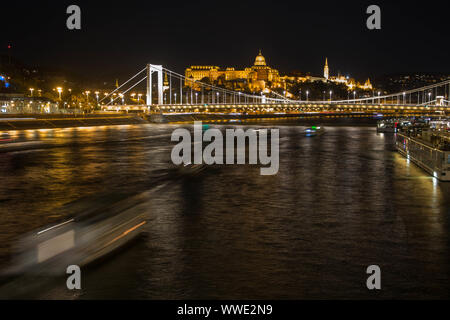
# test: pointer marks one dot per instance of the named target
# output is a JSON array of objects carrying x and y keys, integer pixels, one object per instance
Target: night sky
[{"x": 118, "y": 38}]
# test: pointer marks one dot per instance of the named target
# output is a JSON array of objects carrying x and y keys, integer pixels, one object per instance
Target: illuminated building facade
[
  {"x": 257, "y": 77},
  {"x": 349, "y": 82}
]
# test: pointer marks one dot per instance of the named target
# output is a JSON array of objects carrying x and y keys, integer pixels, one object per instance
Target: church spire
[{"x": 326, "y": 70}]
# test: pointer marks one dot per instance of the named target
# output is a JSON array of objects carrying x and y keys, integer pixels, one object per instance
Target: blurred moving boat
[
  {"x": 93, "y": 228},
  {"x": 314, "y": 131},
  {"x": 7, "y": 143},
  {"x": 105, "y": 224}
]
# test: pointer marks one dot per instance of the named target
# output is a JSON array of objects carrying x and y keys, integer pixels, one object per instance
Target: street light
[
  {"x": 331, "y": 92},
  {"x": 175, "y": 97},
  {"x": 404, "y": 93},
  {"x": 96, "y": 95},
  {"x": 59, "y": 89},
  {"x": 31, "y": 91}
]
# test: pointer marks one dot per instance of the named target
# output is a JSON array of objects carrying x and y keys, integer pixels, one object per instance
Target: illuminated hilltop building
[
  {"x": 349, "y": 82},
  {"x": 366, "y": 86},
  {"x": 257, "y": 77},
  {"x": 261, "y": 77}
]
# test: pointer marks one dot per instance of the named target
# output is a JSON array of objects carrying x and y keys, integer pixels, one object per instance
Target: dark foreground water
[{"x": 340, "y": 202}]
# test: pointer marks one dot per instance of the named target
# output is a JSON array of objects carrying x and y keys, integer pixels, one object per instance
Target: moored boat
[{"x": 428, "y": 147}]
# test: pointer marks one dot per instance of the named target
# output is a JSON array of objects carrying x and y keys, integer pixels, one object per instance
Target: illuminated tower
[
  {"x": 117, "y": 83},
  {"x": 166, "y": 83},
  {"x": 326, "y": 71}
]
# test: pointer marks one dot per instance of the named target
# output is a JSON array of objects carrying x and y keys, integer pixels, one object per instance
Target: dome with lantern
[{"x": 260, "y": 60}]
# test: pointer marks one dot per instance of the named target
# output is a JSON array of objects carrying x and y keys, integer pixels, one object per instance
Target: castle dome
[{"x": 260, "y": 60}]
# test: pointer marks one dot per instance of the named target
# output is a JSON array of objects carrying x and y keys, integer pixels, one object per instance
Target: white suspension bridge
[{"x": 171, "y": 92}]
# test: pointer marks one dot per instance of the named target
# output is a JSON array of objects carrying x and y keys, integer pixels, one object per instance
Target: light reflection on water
[{"x": 340, "y": 202}]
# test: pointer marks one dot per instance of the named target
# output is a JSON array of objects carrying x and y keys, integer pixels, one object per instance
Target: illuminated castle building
[
  {"x": 258, "y": 77},
  {"x": 261, "y": 77}
]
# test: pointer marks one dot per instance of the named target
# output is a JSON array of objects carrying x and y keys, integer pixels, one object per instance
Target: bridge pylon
[{"x": 151, "y": 68}]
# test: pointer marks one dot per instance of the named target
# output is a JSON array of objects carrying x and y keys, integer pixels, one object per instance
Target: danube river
[{"x": 340, "y": 202}]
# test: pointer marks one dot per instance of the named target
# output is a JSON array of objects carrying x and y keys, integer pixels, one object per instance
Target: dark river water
[{"x": 340, "y": 202}]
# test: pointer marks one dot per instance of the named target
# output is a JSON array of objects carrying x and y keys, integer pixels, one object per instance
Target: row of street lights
[
  {"x": 331, "y": 95},
  {"x": 60, "y": 91},
  {"x": 307, "y": 95}
]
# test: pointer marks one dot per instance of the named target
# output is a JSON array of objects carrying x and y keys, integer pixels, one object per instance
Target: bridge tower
[{"x": 151, "y": 68}]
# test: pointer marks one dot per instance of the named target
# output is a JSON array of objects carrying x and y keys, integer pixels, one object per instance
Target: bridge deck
[{"x": 286, "y": 107}]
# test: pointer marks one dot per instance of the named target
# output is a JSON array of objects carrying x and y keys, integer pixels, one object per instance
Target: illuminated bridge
[{"x": 169, "y": 93}]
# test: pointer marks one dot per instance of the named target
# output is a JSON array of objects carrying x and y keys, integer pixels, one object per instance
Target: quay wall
[{"x": 33, "y": 121}]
